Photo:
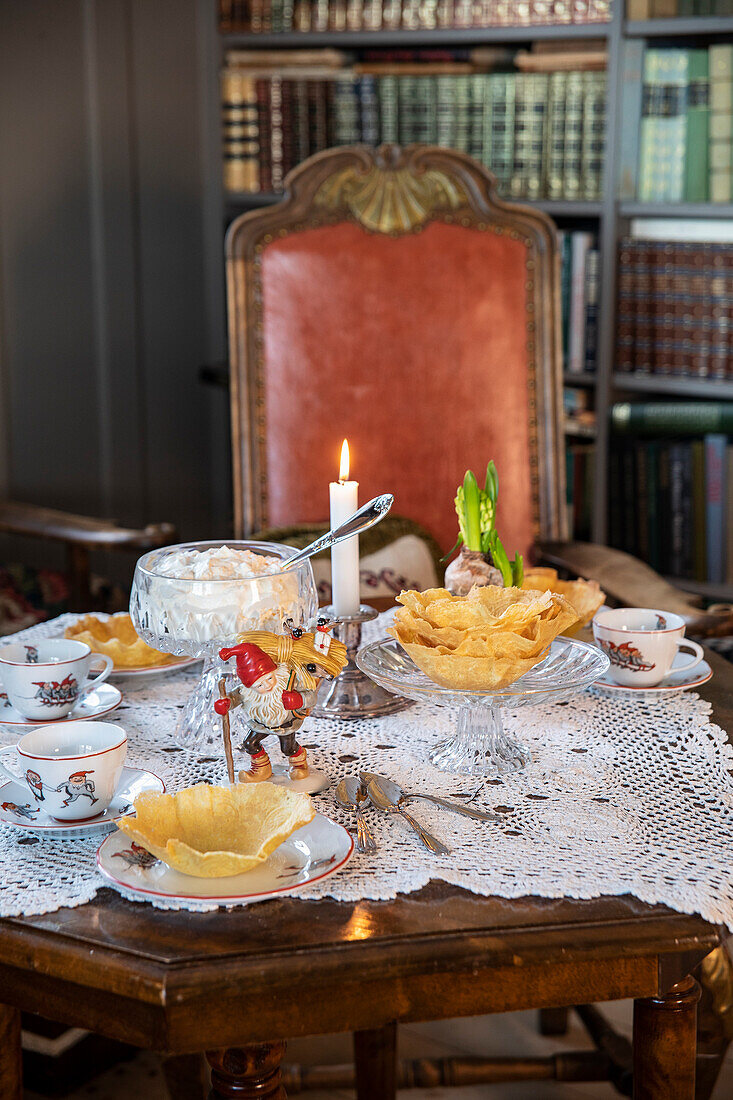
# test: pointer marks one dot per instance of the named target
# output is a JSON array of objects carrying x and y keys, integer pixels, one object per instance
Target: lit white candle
[{"x": 344, "y": 501}]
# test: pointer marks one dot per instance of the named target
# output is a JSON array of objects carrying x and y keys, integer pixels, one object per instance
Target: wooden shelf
[
  {"x": 570, "y": 379},
  {"x": 676, "y": 210},
  {"x": 698, "y": 26},
  {"x": 558, "y": 208},
  {"x": 441, "y": 36},
  {"x": 708, "y": 388},
  {"x": 721, "y": 593}
]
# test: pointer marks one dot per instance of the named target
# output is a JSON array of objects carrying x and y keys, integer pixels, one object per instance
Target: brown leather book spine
[
  {"x": 626, "y": 320},
  {"x": 680, "y": 334},
  {"x": 264, "y": 131},
  {"x": 664, "y": 307},
  {"x": 699, "y": 307},
  {"x": 718, "y": 319},
  {"x": 642, "y": 298}
]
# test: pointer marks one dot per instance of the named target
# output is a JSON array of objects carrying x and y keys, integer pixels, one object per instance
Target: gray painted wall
[{"x": 111, "y": 245}]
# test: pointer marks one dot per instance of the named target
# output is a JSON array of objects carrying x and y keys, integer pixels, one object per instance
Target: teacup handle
[
  {"x": 101, "y": 676},
  {"x": 6, "y": 771},
  {"x": 696, "y": 649}
]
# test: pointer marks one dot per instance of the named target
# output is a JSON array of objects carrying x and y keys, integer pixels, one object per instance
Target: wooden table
[{"x": 234, "y": 983}]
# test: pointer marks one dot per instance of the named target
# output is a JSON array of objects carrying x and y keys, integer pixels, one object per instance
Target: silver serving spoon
[
  {"x": 396, "y": 794},
  {"x": 349, "y": 794},
  {"x": 378, "y": 798},
  {"x": 369, "y": 514}
]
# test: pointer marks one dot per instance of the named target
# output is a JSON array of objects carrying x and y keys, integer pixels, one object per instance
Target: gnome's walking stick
[{"x": 227, "y": 732}]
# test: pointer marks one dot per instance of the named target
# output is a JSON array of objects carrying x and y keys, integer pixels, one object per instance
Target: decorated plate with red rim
[
  {"x": 311, "y": 854},
  {"x": 18, "y": 808},
  {"x": 145, "y": 672},
  {"x": 101, "y": 700},
  {"x": 675, "y": 681}
]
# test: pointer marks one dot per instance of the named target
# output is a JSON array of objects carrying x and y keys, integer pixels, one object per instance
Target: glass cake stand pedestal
[
  {"x": 196, "y": 617},
  {"x": 480, "y": 745}
]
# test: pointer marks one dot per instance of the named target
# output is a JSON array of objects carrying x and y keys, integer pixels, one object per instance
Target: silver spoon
[
  {"x": 366, "y": 517},
  {"x": 382, "y": 802},
  {"x": 349, "y": 794}
]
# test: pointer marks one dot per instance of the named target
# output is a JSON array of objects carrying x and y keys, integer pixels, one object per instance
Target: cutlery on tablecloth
[
  {"x": 396, "y": 794},
  {"x": 379, "y": 797},
  {"x": 350, "y": 793}
]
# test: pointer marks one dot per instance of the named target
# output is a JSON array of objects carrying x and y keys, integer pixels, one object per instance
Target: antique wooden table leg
[
  {"x": 247, "y": 1073},
  {"x": 665, "y": 1035},
  {"x": 11, "y": 1055},
  {"x": 375, "y": 1057}
]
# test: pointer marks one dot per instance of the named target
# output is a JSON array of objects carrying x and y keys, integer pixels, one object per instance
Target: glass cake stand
[
  {"x": 197, "y": 617},
  {"x": 480, "y": 745}
]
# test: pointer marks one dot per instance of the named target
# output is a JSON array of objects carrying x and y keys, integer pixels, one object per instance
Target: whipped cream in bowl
[{"x": 194, "y": 598}]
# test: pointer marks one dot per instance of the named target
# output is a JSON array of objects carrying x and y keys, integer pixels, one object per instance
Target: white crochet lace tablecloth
[{"x": 621, "y": 796}]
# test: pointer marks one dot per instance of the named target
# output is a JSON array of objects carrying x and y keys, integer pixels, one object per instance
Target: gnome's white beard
[{"x": 267, "y": 709}]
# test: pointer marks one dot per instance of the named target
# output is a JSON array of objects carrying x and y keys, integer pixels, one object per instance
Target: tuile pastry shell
[
  {"x": 213, "y": 832},
  {"x": 585, "y": 596},
  {"x": 483, "y": 641},
  {"x": 116, "y": 638}
]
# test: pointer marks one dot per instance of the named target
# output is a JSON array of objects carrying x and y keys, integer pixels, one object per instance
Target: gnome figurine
[{"x": 278, "y": 683}]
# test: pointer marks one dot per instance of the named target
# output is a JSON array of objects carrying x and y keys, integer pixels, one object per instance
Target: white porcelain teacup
[
  {"x": 45, "y": 680},
  {"x": 641, "y": 644},
  {"x": 72, "y": 768}
]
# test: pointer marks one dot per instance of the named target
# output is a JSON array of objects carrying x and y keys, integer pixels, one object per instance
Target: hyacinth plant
[{"x": 476, "y": 510}]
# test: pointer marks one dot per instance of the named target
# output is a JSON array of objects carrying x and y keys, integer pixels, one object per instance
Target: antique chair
[
  {"x": 79, "y": 535},
  {"x": 393, "y": 298}
]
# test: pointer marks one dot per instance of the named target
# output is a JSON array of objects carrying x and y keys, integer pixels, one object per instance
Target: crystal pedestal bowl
[
  {"x": 197, "y": 616},
  {"x": 480, "y": 745}
]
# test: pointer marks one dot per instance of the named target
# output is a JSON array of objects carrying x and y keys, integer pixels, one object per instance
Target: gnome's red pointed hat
[{"x": 252, "y": 662}]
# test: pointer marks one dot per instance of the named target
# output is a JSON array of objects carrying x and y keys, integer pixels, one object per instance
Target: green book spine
[
  {"x": 388, "y": 109},
  {"x": 424, "y": 115},
  {"x": 699, "y": 550},
  {"x": 594, "y": 130},
  {"x": 476, "y": 117},
  {"x": 461, "y": 132},
  {"x": 686, "y": 418},
  {"x": 720, "y": 123},
  {"x": 698, "y": 116},
  {"x": 407, "y": 100},
  {"x": 573, "y": 165},
  {"x": 673, "y": 122},
  {"x": 642, "y": 502},
  {"x": 445, "y": 109},
  {"x": 488, "y": 122},
  {"x": 566, "y": 273},
  {"x": 631, "y": 96},
  {"x": 502, "y": 89},
  {"x": 346, "y": 127},
  {"x": 686, "y": 7},
  {"x": 650, "y": 185},
  {"x": 556, "y": 134},
  {"x": 536, "y": 135}
]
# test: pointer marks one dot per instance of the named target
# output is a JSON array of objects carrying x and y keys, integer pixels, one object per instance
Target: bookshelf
[{"x": 607, "y": 217}]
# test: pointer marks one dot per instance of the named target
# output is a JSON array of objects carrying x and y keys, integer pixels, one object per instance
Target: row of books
[
  {"x": 277, "y": 16},
  {"x": 579, "y": 287},
  {"x": 580, "y": 488},
  {"x": 664, "y": 9},
  {"x": 677, "y": 124},
  {"x": 542, "y": 134},
  {"x": 675, "y": 308},
  {"x": 670, "y": 505}
]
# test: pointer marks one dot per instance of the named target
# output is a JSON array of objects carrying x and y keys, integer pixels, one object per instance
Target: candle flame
[{"x": 344, "y": 464}]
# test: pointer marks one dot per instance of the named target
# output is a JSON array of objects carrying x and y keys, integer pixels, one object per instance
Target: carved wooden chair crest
[{"x": 393, "y": 298}]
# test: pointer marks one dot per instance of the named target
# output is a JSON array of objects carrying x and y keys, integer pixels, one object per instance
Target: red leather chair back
[{"x": 394, "y": 300}]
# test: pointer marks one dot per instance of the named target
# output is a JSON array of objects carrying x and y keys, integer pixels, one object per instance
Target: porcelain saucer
[
  {"x": 319, "y": 849},
  {"x": 18, "y": 808},
  {"x": 675, "y": 681},
  {"x": 101, "y": 700}
]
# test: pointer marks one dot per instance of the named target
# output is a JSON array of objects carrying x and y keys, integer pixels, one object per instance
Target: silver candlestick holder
[{"x": 352, "y": 695}]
